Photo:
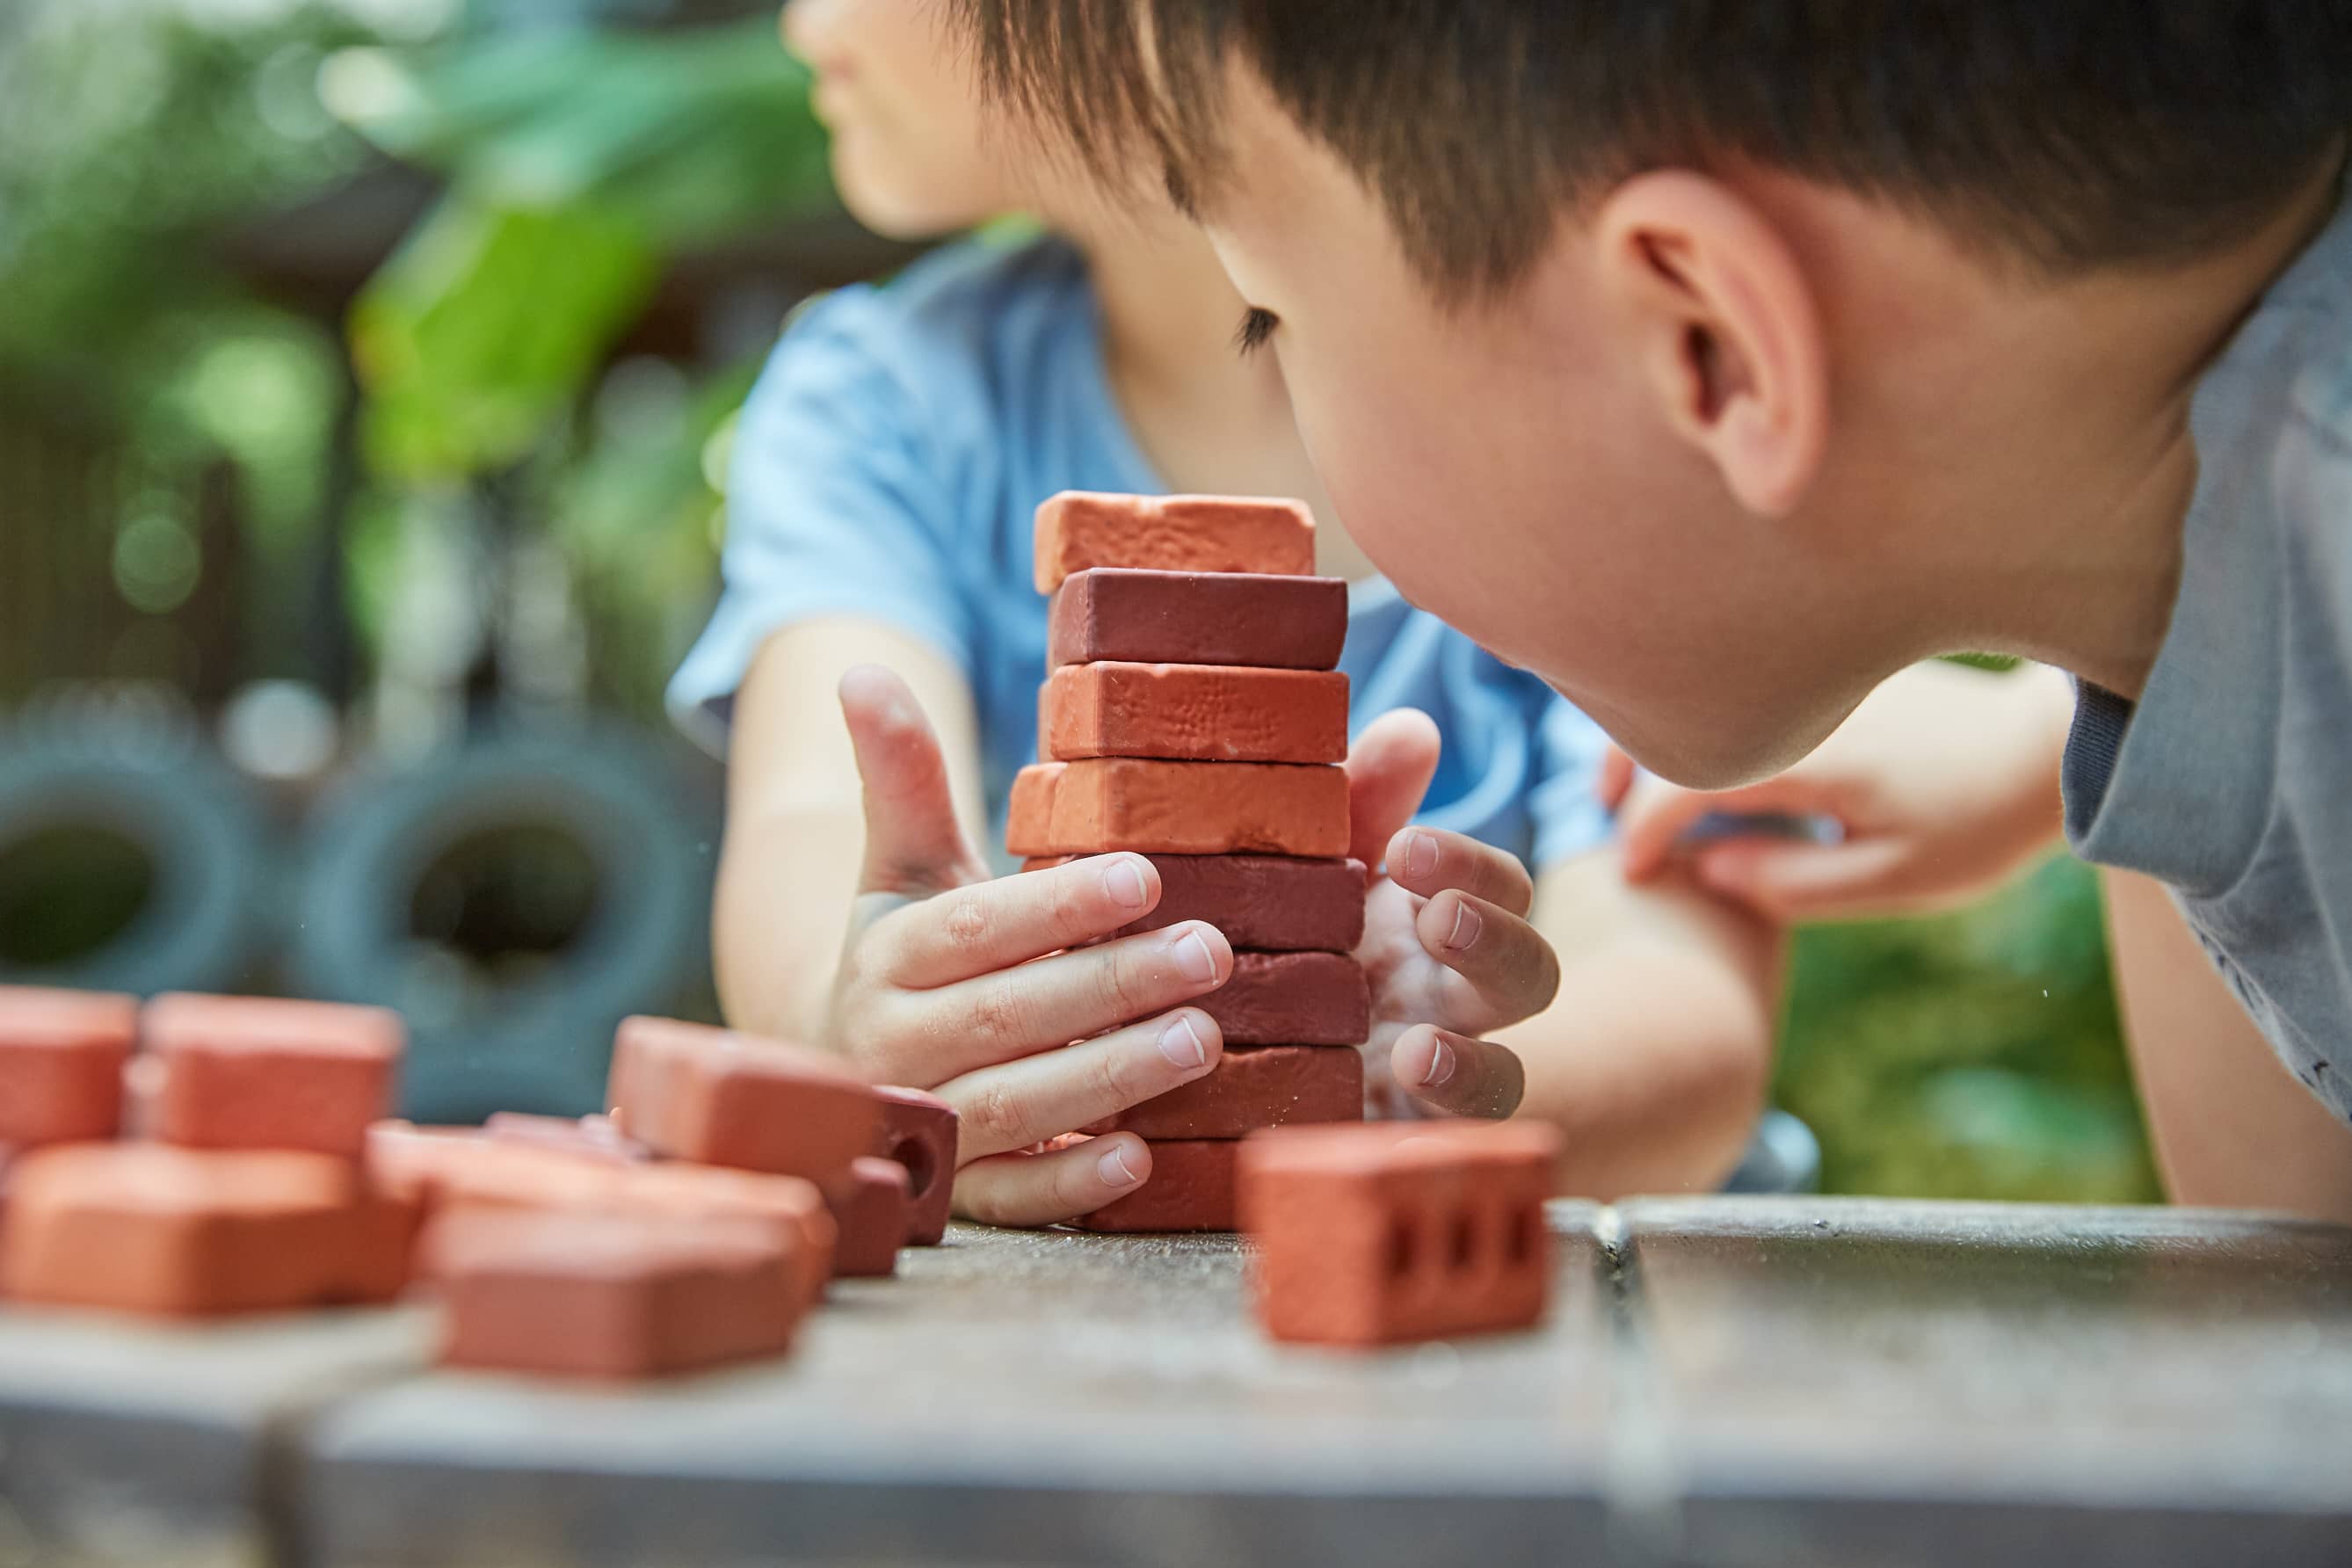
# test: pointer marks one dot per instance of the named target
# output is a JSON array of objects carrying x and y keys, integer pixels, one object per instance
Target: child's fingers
[
  {"x": 914, "y": 844},
  {"x": 1655, "y": 814},
  {"x": 1615, "y": 778},
  {"x": 1456, "y": 1074},
  {"x": 1388, "y": 770},
  {"x": 1031, "y": 1008},
  {"x": 1428, "y": 860},
  {"x": 1505, "y": 960},
  {"x": 1043, "y": 1096},
  {"x": 1040, "y": 1189},
  {"x": 1861, "y": 878},
  {"x": 994, "y": 925}
]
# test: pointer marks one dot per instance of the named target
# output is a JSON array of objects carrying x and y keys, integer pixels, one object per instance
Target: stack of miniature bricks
[
  {"x": 1193, "y": 713},
  {"x": 695, "y": 1226}
]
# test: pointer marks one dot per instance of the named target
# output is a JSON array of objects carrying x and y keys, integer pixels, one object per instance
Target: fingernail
[
  {"x": 1182, "y": 1044},
  {"x": 1124, "y": 883},
  {"x": 1420, "y": 855},
  {"x": 1440, "y": 1065},
  {"x": 1467, "y": 923},
  {"x": 1113, "y": 1168},
  {"x": 1194, "y": 962}
]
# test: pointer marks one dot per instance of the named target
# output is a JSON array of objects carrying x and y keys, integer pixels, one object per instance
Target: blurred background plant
[{"x": 366, "y": 373}]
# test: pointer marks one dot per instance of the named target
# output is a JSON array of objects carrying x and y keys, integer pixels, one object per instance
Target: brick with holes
[
  {"x": 1190, "y": 1188},
  {"x": 1192, "y": 711},
  {"x": 1198, "y": 617},
  {"x": 1077, "y": 529},
  {"x": 61, "y": 1062},
  {"x": 872, "y": 1204},
  {"x": 258, "y": 1072},
  {"x": 720, "y": 1098},
  {"x": 614, "y": 1297},
  {"x": 1161, "y": 808},
  {"x": 919, "y": 1131},
  {"x": 1397, "y": 1231}
]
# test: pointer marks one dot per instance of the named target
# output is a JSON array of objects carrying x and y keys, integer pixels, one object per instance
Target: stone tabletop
[{"x": 1737, "y": 1382}]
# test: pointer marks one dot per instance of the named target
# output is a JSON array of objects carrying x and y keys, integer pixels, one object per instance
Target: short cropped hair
[{"x": 2067, "y": 135}]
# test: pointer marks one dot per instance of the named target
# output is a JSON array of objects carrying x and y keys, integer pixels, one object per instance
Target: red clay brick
[
  {"x": 1190, "y": 1188},
  {"x": 871, "y": 1204},
  {"x": 1292, "y": 999},
  {"x": 252, "y": 1072},
  {"x": 144, "y": 1227},
  {"x": 1177, "y": 808},
  {"x": 592, "y": 1137},
  {"x": 611, "y": 1296},
  {"x": 1198, "y": 617},
  {"x": 1255, "y": 1086},
  {"x": 1078, "y": 529},
  {"x": 1275, "y": 903},
  {"x": 61, "y": 1062},
  {"x": 919, "y": 1131},
  {"x": 1394, "y": 1231},
  {"x": 720, "y": 1098},
  {"x": 1193, "y": 711}
]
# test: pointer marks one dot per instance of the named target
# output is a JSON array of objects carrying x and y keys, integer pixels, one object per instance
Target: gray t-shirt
[{"x": 2231, "y": 778}]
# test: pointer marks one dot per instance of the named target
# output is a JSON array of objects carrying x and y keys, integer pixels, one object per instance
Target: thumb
[
  {"x": 1656, "y": 814},
  {"x": 1788, "y": 882},
  {"x": 914, "y": 844},
  {"x": 1388, "y": 770},
  {"x": 1456, "y": 1074}
]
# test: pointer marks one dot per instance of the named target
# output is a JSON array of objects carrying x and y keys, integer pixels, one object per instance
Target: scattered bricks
[
  {"x": 1078, "y": 530},
  {"x": 1266, "y": 1086},
  {"x": 591, "y": 1137},
  {"x": 1190, "y": 1188},
  {"x": 1177, "y": 808},
  {"x": 1292, "y": 999},
  {"x": 1193, "y": 711},
  {"x": 1392, "y": 1231},
  {"x": 1198, "y": 617},
  {"x": 871, "y": 1202},
  {"x": 248, "y": 1072},
  {"x": 791, "y": 1208},
  {"x": 143, "y": 1228},
  {"x": 61, "y": 1062},
  {"x": 611, "y": 1296},
  {"x": 1274, "y": 903},
  {"x": 919, "y": 1131},
  {"x": 720, "y": 1098}
]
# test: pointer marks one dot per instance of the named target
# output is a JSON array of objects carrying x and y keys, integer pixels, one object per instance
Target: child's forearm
[
  {"x": 784, "y": 888},
  {"x": 1655, "y": 1058}
]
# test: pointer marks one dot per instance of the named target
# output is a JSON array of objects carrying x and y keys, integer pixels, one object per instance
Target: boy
[
  {"x": 1756, "y": 351},
  {"x": 884, "y": 477}
]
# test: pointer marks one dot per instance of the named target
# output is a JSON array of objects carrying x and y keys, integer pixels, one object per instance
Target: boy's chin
[{"x": 1711, "y": 753}]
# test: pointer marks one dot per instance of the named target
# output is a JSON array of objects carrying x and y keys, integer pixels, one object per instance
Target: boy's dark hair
[{"x": 2064, "y": 133}]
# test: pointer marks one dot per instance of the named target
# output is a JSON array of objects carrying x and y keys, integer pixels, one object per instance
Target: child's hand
[
  {"x": 1447, "y": 945},
  {"x": 938, "y": 988},
  {"x": 1945, "y": 779}
]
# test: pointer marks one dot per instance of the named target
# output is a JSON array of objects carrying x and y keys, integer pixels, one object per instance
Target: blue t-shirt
[{"x": 888, "y": 467}]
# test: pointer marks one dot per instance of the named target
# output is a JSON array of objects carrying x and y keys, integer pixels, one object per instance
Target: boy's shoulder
[{"x": 975, "y": 295}]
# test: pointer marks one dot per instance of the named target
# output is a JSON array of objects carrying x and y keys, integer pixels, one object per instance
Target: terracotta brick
[
  {"x": 1193, "y": 711},
  {"x": 720, "y": 1098},
  {"x": 252, "y": 1072},
  {"x": 1275, "y": 903},
  {"x": 1393, "y": 1231},
  {"x": 1250, "y": 1088},
  {"x": 872, "y": 1205},
  {"x": 144, "y": 1227},
  {"x": 1190, "y": 1188},
  {"x": 1198, "y": 617},
  {"x": 592, "y": 1137},
  {"x": 61, "y": 1062},
  {"x": 919, "y": 1131},
  {"x": 1177, "y": 808},
  {"x": 1292, "y": 999},
  {"x": 1078, "y": 529},
  {"x": 611, "y": 1296}
]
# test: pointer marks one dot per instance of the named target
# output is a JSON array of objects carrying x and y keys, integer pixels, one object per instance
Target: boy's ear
[{"x": 1725, "y": 325}]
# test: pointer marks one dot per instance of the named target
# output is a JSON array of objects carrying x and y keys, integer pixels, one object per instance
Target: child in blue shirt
[{"x": 884, "y": 476}]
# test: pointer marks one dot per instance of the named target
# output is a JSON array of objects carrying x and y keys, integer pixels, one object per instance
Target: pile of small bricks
[
  {"x": 207, "y": 1156},
  {"x": 1193, "y": 713}
]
